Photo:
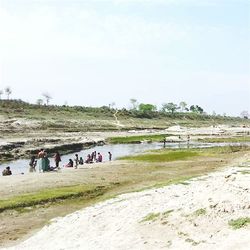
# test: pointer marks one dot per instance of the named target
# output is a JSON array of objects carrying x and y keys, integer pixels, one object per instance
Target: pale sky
[{"x": 94, "y": 52}]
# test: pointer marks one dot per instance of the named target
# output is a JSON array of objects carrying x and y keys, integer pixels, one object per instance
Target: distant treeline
[{"x": 141, "y": 111}]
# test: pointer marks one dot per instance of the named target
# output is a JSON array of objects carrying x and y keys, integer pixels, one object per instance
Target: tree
[
  {"x": 134, "y": 104},
  {"x": 39, "y": 101},
  {"x": 245, "y": 114},
  {"x": 1, "y": 92},
  {"x": 112, "y": 105},
  {"x": 170, "y": 107},
  {"x": 183, "y": 106},
  {"x": 47, "y": 97},
  {"x": 8, "y": 92},
  {"x": 146, "y": 107},
  {"x": 196, "y": 109}
]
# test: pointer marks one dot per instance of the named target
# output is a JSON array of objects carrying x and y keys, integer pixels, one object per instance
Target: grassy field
[
  {"x": 163, "y": 156},
  {"x": 52, "y": 195}
]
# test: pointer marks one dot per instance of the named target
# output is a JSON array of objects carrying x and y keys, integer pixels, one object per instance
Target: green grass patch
[
  {"x": 168, "y": 155},
  {"x": 239, "y": 223},
  {"x": 194, "y": 243},
  {"x": 213, "y": 151},
  {"x": 137, "y": 139},
  {"x": 52, "y": 195},
  {"x": 167, "y": 213},
  {"x": 151, "y": 217},
  {"x": 199, "y": 212},
  {"x": 226, "y": 139},
  {"x": 183, "y": 234},
  {"x": 185, "y": 183},
  {"x": 163, "y": 156},
  {"x": 244, "y": 172},
  {"x": 155, "y": 216},
  {"x": 173, "y": 181}
]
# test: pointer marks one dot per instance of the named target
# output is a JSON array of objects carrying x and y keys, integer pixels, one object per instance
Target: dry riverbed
[
  {"x": 104, "y": 181},
  {"x": 209, "y": 212}
]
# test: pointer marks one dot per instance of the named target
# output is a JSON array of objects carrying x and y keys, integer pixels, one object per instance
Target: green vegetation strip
[
  {"x": 52, "y": 195},
  {"x": 226, "y": 139},
  {"x": 151, "y": 217},
  {"x": 239, "y": 223},
  {"x": 199, "y": 212},
  {"x": 169, "y": 155},
  {"x": 163, "y": 156},
  {"x": 155, "y": 216},
  {"x": 137, "y": 139}
]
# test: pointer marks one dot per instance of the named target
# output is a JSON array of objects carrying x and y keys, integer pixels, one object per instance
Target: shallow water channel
[{"x": 117, "y": 150}]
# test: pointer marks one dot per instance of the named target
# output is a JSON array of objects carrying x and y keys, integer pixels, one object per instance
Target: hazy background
[{"x": 93, "y": 53}]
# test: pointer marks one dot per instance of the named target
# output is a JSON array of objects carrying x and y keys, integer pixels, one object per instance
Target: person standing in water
[
  {"x": 41, "y": 160},
  {"x": 110, "y": 156},
  {"x": 76, "y": 160},
  {"x": 57, "y": 159},
  {"x": 164, "y": 142}
]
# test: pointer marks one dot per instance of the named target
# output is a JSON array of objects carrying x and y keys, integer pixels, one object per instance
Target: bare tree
[
  {"x": 112, "y": 105},
  {"x": 8, "y": 92},
  {"x": 47, "y": 97},
  {"x": 39, "y": 101},
  {"x": 134, "y": 103},
  {"x": 183, "y": 106},
  {"x": 1, "y": 93}
]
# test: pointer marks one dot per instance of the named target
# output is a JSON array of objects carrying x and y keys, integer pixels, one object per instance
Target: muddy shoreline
[
  {"x": 23, "y": 145},
  {"x": 24, "y": 149}
]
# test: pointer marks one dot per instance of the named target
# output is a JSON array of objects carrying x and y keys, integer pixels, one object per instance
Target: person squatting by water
[
  {"x": 70, "y": 164},
  {"x": 89, "y": 159},
  {"x": 81, "y": 162},
  {"x": 6, "y": 171},
  {"x": 99, "y": 157}
]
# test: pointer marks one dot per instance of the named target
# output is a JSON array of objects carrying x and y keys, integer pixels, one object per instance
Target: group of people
[
  {"x": 91, "y": 158},
  {"x": 44, "y": 165},
  {"x": 43, "y": 162}
]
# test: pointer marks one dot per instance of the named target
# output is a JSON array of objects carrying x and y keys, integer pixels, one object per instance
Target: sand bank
[{"x": 192, "y": 215}]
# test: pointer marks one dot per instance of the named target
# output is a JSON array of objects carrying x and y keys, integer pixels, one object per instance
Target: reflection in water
[{"x": 117, "y": 150}]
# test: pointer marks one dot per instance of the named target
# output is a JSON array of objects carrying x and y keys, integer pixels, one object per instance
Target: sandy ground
[{"x": 120, "y": 223}]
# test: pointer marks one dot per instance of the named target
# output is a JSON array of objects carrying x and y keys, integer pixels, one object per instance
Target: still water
[{"x": 117, "y": 150}]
